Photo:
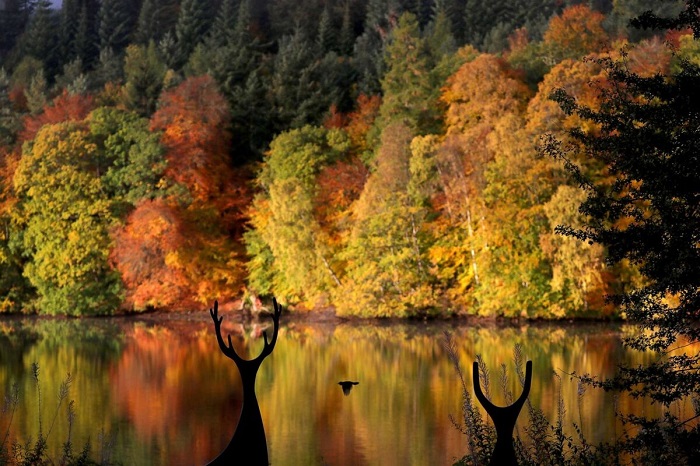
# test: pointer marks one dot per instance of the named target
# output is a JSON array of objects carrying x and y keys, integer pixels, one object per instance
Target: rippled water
[{"x": 164, "y": 394}]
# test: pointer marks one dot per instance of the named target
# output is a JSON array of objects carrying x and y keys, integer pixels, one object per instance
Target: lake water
[{"x": 163, "y": 393}]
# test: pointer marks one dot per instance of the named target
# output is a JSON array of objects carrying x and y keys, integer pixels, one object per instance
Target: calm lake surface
[{"x": 163, "y": 393}]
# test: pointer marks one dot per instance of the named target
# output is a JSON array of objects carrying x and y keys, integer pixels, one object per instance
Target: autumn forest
[{"x": 385, "y": 158}]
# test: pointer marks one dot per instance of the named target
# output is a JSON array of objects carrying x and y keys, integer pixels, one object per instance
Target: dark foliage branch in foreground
[{"x": 647, "y": 211}]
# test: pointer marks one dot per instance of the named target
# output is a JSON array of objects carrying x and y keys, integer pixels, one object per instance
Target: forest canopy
[{"x": 383, "y": 157}]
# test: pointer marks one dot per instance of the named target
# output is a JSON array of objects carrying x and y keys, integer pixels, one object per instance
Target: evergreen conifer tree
[
  {"x": 10, "y": 122},
  {"x": 13, "y": 20},
  {"x": 191, "y": 28},
  {"x": 347, "y": 34},
  {"x": 409, "y": 95},
  {"x": 39, "y": 38},
  {"x": 326, "y": 32},
  {"x": 70, "y": 15},
  {"x": 156, "y": 17},
  {"x": 86, "y": 39},
  {"x": 116, "y": 23},
  {"x": 144, "y": 73},
  {"x": 224, "y": 23}
]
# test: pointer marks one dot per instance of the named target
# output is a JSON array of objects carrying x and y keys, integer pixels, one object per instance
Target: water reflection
[{"x": 169, "y": 396}]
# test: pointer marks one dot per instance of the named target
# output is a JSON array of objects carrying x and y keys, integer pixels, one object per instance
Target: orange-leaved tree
[
  {"x": 65, "y": 107},
  {"x": 575, "y": 33},
  {"x": 481, "y": 94},
  {"x": 207, "y": 198}
]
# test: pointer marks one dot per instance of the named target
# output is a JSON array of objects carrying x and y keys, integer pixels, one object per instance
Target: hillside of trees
[{"x": 379, "y": 156}]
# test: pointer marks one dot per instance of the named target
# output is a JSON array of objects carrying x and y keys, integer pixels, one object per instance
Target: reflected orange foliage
[
  {"x": 158, "y": 387},
  {"x": 65, "y": 107}
]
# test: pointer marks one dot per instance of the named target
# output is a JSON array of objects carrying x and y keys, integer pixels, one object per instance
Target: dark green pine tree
[
  {"x": 70, "y": 14},
  {"x": 296, "y": 54},
  {"x": 143, "y": 73},
  {"x": 285, "y": 16},
  {"x": 78, "y": 37},
  {"x": 86, "y": 40},
  {"x": 409, "y": 95},
  {"x": 169, "y": 51},
  {"x": 368, "y": 53},
  {"x": 115, "y": 24},
  {"x": 239, "y": 57},
  {"x": 377, "y": 15},
  {"x": 145, "y": 22},
  {"x": 326, "y": 39},
  {"x": 14, "y": 18},
  {"x": 646, "y": 211},
  {"x": 224, "y": 24},
  {"x": 191, "y": 28},
  {"x": 243, "y": 76},
  {"x": 10, "y": 122},
  {"x": 40, "y": 37},
  {"x": 481, "y": 17},
  {"x": 252, "y": 125},
  {"x": 156, "y": 17},
  {"x": 346, "y": 37},
  {"x": 438, "y": 34},
  {"x": 424, "y": 10},
  {"x": 108, "y": 69},
  {"x": 454, "y": 9}
]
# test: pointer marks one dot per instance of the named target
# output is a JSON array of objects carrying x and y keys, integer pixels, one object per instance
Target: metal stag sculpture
[
  {"x": 504, "y": 418},
  {"x": 248, "y": 446}
]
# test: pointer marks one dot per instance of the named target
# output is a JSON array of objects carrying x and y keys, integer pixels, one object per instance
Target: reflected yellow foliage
[{"x": 168, "y": 396}]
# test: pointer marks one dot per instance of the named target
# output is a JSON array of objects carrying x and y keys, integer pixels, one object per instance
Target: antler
[
  {"x": 267, "y": 349},
  {"x": 226, "y": 349},
  {"x": 229, "y": 351}
]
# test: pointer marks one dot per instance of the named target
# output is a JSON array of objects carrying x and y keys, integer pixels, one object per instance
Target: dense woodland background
[{"x": 379, "y": 156}]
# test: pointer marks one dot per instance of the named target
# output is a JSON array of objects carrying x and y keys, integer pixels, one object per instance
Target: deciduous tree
[
  {"x": 304, "y": 265},
  {"x": 575, "y": 33},
  {"x": 66, "y": 217},
  {"x": 386, "y": 268}
]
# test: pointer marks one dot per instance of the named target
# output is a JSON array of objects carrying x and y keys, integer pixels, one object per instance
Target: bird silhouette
[{"x": 347, "y": 386}]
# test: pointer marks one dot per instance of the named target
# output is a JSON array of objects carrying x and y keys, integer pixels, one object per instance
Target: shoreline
[{"x": 323, "y": 316}]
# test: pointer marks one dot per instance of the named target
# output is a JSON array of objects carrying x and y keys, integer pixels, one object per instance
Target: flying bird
[{"x": 347, "y": 386}]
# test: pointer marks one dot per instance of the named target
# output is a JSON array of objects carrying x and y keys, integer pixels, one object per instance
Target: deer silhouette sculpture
[
  {"x": 248, "y": 446},
  {"x": 504, "y": 418}
]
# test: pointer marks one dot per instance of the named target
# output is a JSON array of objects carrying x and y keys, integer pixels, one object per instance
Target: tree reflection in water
[{"x": 170, "y": 399}]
